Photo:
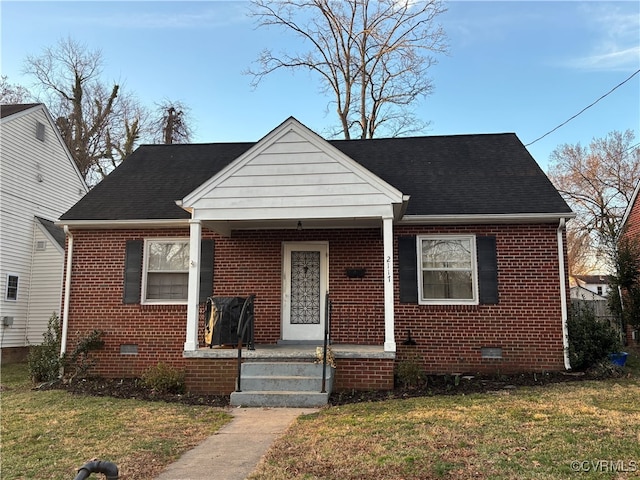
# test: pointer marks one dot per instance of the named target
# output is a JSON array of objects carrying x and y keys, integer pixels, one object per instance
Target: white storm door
[{"x": 304, "y": 278}]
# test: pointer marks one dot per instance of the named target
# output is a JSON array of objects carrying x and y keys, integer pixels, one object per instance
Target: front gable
[{"x": 292, "y": 174}]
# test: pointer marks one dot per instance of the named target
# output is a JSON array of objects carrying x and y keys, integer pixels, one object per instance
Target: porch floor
[{"x": 291, "y": 351}]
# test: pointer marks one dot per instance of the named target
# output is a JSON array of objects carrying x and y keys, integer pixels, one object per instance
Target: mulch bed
[
  {"x": 134, "y": 388},
  {"x": 469, "y": 384},
  {"x": 433, "y": 385}
]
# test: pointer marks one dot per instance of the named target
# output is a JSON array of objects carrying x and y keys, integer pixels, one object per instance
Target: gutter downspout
[
  {"x": 67, "y": 292},
  {"x": 563, "y": 294}
]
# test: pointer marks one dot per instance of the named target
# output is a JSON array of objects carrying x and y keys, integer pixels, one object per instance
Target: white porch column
[
  {"x": 195, "y": 231},
  {"x": 389, "y": 322}
]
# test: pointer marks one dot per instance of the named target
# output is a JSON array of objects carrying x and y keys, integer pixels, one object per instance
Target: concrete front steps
[{"x": 282, "y": 384}]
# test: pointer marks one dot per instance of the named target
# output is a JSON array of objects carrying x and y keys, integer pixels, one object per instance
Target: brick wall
[
  {"x": 633, "y": 233},
  {"x": 211, "y": 376},
  {"x": 526, "y": 324},
  {"x": 251, "y": 262},
  {"x": 633, "y": 220},
  {"x": 158, "y": 331},
  {"x": 363, "y": 374}
]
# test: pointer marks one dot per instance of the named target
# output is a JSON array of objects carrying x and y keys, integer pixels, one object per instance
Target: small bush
[
  {"x": 590, "y": 339},
  {"x": 79, "y": 361},
  {"x": 44, "y": 360},
  {"x": 164, "y": 378},
  {"x": 410, "y": 373}
]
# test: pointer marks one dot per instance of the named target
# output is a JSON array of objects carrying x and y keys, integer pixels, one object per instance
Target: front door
[{"x": 304, "y": 277}]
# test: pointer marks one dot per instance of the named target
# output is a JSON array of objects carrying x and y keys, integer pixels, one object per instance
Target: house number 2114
[{"x": 388, "y": 268}]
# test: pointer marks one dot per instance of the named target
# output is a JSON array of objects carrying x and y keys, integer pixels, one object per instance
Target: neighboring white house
[
  {"x": 39, "y": 181},
  {"x": 581, "y": 293},
  {"x": 598, "y": 284}
]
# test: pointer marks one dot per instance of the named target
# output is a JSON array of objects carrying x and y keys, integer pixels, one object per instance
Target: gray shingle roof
[
  {"x": 56, "y": 232},
  {"x": 11, "y": 109},
  {"x": 444, "y": 175}
]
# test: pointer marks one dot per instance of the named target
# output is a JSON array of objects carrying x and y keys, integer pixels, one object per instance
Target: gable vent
[{"x": 40, "y": 131}]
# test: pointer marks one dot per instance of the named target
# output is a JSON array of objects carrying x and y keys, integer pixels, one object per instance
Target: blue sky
[{"x": 523, "y": 67}]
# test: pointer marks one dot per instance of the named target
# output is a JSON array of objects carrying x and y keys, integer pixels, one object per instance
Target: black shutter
[
  {"x": 206, "y": 270},
  {"x": 132, "y": 272},
  {"x": 487, "y": 270},
  {"x": 408, "y": 269}
]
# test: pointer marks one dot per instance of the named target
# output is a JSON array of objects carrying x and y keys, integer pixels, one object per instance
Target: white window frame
[
  {"x": 474, "y": 272},
  {"x": 6, "y": 290},
  {"x": 145, "y": 271}
]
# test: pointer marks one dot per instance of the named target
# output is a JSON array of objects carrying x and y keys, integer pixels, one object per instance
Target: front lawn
[
  {"x": 50, "y": 434},
  {"x": 579, "y": 429},
  {"x": 582, "y": 430}
]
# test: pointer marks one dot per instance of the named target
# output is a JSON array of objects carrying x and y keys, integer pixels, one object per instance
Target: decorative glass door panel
[{"x": 304, "y": 287}]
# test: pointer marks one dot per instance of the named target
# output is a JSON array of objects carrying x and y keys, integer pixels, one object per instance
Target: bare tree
[
  {"x": 579, "y": 251},
  {"x": 98, "y": 123},
  {"x": 173, "y": 124},
  {"x": 13, "y": 94},
  {"x": 372, "y": 56},
  {"x": 598, "y": 182}
]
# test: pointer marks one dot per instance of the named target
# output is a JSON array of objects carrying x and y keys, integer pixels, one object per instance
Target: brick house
[
  {"x": 293, "y": 217},
  {"x": 630, "y": 227},
  {"x": 631, "y": 220}
]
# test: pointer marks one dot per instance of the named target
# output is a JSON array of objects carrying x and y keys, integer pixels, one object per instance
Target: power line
[
  {"x": 585, "y": 108},
  {"x": 632, "y": 147}
]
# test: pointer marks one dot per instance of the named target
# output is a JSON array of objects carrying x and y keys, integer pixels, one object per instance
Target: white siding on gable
[
  {"x": 46, "y": 283},
  {"x": 38, "y": 179},
  {"x": 294, "y": 176}
]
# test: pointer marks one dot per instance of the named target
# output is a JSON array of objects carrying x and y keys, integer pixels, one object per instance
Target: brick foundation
[
  {"x": 10, "y": 355},
  {"x": 364, "y": 374},
  {"x": 211, "y": 376}
]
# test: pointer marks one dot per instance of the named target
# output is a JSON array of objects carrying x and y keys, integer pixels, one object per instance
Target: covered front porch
[{"x": 285, "y": 199}]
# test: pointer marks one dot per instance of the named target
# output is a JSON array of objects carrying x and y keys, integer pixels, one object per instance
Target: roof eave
[
  {"x": 484, "y": 218},
  {"x": 123, "y": 224}
]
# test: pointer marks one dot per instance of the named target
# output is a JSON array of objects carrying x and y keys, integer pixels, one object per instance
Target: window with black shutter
[
  {"x": 448, "y": 269},
  {"x": 157, "y": 271}
]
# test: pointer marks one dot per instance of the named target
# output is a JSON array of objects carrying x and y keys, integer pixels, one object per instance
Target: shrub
[
  {"x": 409, "y": 372},
  {"x": 590, "y": 339},
  {"x": 44, "y": 360},
  {"x": 79, "y": 362},
  {"x": 164, "y": 378}
]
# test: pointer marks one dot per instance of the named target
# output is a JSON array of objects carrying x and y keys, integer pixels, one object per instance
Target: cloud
[
  {"x": 616, "y": 44},
  {"x": 612, "y": 60}
]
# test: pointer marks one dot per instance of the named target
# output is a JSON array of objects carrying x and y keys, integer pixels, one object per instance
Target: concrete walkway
[{"x": 235, "y": 450}]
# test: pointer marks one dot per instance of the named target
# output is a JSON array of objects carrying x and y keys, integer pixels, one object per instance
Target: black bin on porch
[{"x": 221, "y": 319}]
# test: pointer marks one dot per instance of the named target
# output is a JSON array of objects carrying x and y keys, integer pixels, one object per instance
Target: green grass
[
  {"x": 50, "y": 434},
  {"x": 528, "y": 433}
]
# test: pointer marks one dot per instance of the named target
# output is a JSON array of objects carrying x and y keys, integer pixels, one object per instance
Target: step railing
[
  {"x": 246, "y": 321},
  {"x": 327, "y": 330}
]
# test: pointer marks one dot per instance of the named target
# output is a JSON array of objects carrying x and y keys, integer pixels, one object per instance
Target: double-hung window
[
  {"x": 166, "y": 271},
  {"x": 447, "y": 269},
  {"x": 11, "y": 293}
]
